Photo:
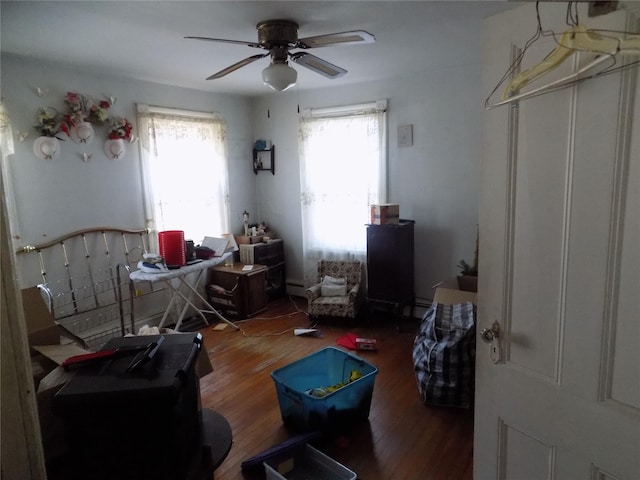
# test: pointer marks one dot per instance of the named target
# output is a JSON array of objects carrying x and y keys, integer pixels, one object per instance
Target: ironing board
[{"x": 184, "y": 285}]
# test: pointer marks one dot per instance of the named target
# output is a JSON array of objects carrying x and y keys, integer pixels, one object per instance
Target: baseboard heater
[{"x": 296, "y": 288}]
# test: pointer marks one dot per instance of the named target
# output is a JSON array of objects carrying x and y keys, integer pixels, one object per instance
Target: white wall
[
  {"x": 435, "y": 181},
  {"x": 54, "y": 197}
]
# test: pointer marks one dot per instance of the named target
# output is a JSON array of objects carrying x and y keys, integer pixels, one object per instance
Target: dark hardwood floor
[{"x": 402, "y": 439}]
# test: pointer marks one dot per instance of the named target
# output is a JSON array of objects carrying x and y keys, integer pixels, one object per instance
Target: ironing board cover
[{"x": 140, "y": 276}]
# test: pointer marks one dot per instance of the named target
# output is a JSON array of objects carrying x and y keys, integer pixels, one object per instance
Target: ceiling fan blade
[
  {"x": 317, "y": 64},
  {"x": 237, "y": 42},
  {"x": 236, "y": 66},
  {"x": 355, "y": 37}
]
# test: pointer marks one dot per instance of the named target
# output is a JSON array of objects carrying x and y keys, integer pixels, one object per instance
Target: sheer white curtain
[
  {"x": 342, "y": 172},
  {"x": 185, "y": 171},
  {"x": 7, "y": 149}
]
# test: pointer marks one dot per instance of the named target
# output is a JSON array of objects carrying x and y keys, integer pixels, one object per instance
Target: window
[
  {"x": 6, "y": 184},
  {"x": 342, "y": 172},
  {"x": 185, "y": 171}
]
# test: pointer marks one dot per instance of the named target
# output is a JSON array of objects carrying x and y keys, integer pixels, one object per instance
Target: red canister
[{"x": 172, "y": 247}]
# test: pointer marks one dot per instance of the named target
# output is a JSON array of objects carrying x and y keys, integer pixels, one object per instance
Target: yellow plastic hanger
[{"x": 574, "y": 39}]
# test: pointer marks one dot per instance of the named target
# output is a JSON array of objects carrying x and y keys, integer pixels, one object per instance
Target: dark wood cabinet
[
  {"x": 390, "y": 267},
  {"x": 271, "y": 254}
]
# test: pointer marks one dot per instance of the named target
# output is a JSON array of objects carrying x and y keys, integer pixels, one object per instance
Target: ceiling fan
[{"x": 279, "y": 37}]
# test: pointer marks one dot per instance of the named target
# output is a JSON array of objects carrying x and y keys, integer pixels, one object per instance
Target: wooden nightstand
[{"x": 238, "y": 291}]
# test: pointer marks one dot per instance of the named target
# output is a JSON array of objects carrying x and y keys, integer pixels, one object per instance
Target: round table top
[{"x": 217, "y": 435}]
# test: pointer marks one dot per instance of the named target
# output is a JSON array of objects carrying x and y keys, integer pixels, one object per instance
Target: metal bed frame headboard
[{"x": 85, "y": 279}]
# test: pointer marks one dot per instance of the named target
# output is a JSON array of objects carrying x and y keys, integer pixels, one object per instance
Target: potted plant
[{"x": 468, "y": 278}]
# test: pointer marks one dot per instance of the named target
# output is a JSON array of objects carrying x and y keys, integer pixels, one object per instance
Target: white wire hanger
[{"x": 577, "y": 38}]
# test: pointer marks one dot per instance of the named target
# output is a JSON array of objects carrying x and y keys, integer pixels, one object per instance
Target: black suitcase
[{"x": 138, "y": 424}]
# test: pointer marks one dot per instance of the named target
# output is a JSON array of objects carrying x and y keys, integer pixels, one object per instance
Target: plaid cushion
[{"x": 444, "y": 355}]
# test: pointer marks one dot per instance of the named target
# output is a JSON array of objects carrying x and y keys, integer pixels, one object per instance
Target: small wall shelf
[{"x": 264, "y": 160}]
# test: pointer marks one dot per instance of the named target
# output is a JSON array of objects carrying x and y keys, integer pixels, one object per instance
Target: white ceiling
[{"x": 144, "y": 39}]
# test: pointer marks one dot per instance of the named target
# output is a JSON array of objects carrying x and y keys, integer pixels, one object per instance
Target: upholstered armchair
[{"x": 337, "y": 293}]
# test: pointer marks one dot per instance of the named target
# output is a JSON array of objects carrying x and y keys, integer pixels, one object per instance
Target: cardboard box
[
  {"x": 366, "y": 343},
  {"x": 450, "y": 296},
  {"x": 44, "y": 335},
  {"x": 248, "y": 240},
  {"x": 385, "y": 213},
  {"x": 42, "y": 329}
]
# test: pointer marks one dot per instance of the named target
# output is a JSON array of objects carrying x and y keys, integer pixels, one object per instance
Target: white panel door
[{"x": 559, "y": 267}]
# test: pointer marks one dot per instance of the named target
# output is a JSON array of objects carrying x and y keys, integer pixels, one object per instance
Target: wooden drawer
[
  {"x": 270, "y": 253},
  {"x": 240, "y": 293}
]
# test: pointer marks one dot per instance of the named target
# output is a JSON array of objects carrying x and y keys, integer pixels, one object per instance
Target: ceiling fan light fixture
[
  {"x": 278, "y": 38},
  {"x": 279, "y": 76}
]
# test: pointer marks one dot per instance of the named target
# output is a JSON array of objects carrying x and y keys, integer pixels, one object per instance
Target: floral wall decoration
[
  {"x": 120, "y": 130},
  {"x": 50, "y": 125},
  {"x": 77, "y": 123}
]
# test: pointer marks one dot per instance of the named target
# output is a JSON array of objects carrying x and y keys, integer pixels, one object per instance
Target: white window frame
[
  {"x": 148, "y": 190},
  {"x": 312, "y": 250}
]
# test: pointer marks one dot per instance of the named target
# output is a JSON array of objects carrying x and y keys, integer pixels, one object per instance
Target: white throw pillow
[
  {"x": 329, "y": 280},
  {"x": 333, "y": 290},
  {"x": 333, "y": 286}
]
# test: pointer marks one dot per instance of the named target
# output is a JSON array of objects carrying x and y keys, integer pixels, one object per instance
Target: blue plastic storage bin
[{"x": 327, "y": 367}]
